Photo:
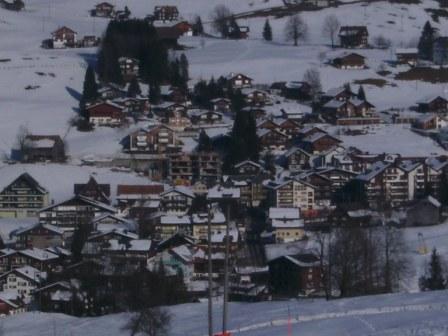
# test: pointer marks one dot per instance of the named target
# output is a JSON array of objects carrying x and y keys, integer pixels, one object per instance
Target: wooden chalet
[
  {"x": 353, "y": 36},
  {"x": 104, "y": 9},
  {"x": 239, "y": 81},
  {"x": 105, "y": 114},
  {"x": 41, "y": 148},
  {"x": 64, "y": 37},
  {"x": 23, "y": 197},
  {"x": 349, "y": 61},
  {"x": 433, "y": 104}
]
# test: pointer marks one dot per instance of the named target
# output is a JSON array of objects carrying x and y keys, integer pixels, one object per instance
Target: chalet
[
  {"x": 42, "y": 260},
  {"x": 64, "y": 37},
  {"x": 256, "y": 98},
  {"x": 424, "y": 212},
  {"x": 188, "y": 168},
  {"x": 200, "y": 224},
  {"x": 206, "y": 117},
  {"x": 170, "y": 225},
  {"x": 239, "y": 81},
  {"x": 291, "y": 193},
  {"x": 12, "y": 303},
  {"x": 319, "y": 142},
  {"x": 177, "y": 200},
  {"x": 292, "y": 275},
  {"x": 40, "y": 236},
  {"x": 55, "y": 297},
  {"x": 426, "y": 122},
  {"x": 297, "y": 90},
  {"x": 407, "y": 56},
  {"x": 166, "y": 13},
  {"x": 97, "y": 241},
  {"x": 104, "y": 9},
  {"x": 156, "y": 140},
  {"x": 434, "y": 170},
  {"x": 89, "y": 41},
  {"x": 248, "y": 168},
  {"x": 351, "y": 216},
  {"x": 129, "y": 194},
  {"x": 109, "y": 222},
  {"x": 105, "y": 114},
  {"x": 134, "y": 105},
  {"x": 43, "y": 148},
  {"x": 350, "y": 112},
  {"x": 23, "y": 280},
  {"x": 298, "y": 159},
  {"x": 286, "y": 224},
  {"x": 340, "y": 94},
  {"x": 129, "y": 68},
  {"x": 433, "y": 104},
  {"x": 349, "y": 61},
  {"x": 222, "y": 105},
  {"x": 353, "y": 36},
  {"x": 93, "y": 190},
  {"x": 23, "y": 197},
  {"x": 271, "y": 139},
  {"x": 78, "y": 210},
  {"x": 440, "y": 50},
  {"x": 127, "y": 257},
  {"x": 338, "y": 177},
  {"x": 268, "y": 124},
  {"x": 289, "y": 126},
  {"x": 167, "y": 109}
]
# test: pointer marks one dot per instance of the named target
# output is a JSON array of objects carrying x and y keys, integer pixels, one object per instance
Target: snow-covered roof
[
  {"x": 220, "y": 192},
  {"x": 406, "y": 51},
  {"x": 287, "y": 223},
  {"x": 217, "y": 217},
  {"x": 284, "y": 213},
  {"x": 39, "y": 254},
  {"x": 175, "y": 220},
  {"x": 135, "y": 245},
  {"x": 31, "y": 273},
  {"x": 43, "y": 143},
  {"x": 376, "y": 169},
  {"x": 181, "y": 190}
]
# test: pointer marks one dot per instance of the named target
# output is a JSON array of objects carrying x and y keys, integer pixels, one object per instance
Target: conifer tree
[
  {"x": 198, "y": 28},
  {"x": 89, "y": 91},
  {"x": 183, "y": 69},
  {"x": 361, "y": 94},
  {"x": 435, "y": 279},
  {"x": 205, "y": 143},
  {"x": 426, "y": 42},
  {"x": 134, "y": 88},
  {"x": 154, "y": 93},
  {"x": 267, "y": 31}
]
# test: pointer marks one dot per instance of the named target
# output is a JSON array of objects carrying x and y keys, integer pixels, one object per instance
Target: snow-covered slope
[{"x": 413, "y": 314}]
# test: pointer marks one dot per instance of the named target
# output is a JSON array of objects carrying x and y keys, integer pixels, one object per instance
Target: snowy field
[{"x": 399, "y": 315}]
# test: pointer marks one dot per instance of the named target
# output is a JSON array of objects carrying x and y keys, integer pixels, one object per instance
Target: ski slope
[{"x": 399, "y": 315}]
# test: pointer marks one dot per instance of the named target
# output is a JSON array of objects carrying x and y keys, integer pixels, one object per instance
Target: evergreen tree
[
  {"x": 435, "y": 279},
  {"x": 267, "y": 31},
  {"x": 233, "y": 28},
  {"x": 89, "y": 90},
  {"x": 198, "y": 28},
  {"x": 183, "y": 70},
  {"x": 348, "y": 87},
  {"x": 361, "y": 94},
  {"x": 204, "y": 143},
  {"x": 154, "y": 93},
  {"x": 425, "y": 44},
  {"x": 79, "y": 239},
  {"x": 134, "y": 88}
]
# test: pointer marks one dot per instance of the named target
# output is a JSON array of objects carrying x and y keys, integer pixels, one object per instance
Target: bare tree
[
  {"x": 23, "y": 143},
  {"x": 296, "y": 29},
  {"x": 220, "y": 19},
  {"x": 312, "y": 77},
  {"x": 382, "y": 42},
  {"x": 331, "y": 27},
  {"x": 150, "y": 322}
]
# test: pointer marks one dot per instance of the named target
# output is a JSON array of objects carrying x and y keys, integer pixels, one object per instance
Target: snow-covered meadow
[{"x": 421, "y": 314}]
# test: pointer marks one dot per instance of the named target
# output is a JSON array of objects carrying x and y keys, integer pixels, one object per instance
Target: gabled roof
[
  {"x": 248, "y": 162},
  {"x": 31, "y": 181},
  {"x": 294, "y": 150},
  {"x": 181, "y": 190},
  {"x": 82, "y": 199},
  {"x": 63, "y": 28},
  {"x": 317, "y": 136},
  {"x": 39, "y": 254},
  {"x": 48, "y": 227},
  {"x": 376, "y": 169},
  {"x": 151, "y": 189}
]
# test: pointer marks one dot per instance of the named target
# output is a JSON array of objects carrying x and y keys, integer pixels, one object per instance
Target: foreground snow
[{"x": 398, "y": 314}]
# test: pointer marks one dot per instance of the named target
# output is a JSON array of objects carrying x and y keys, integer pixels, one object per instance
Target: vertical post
[
  {"x": 226, "y": 271},
  {"x": 210, "y": 269}
]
